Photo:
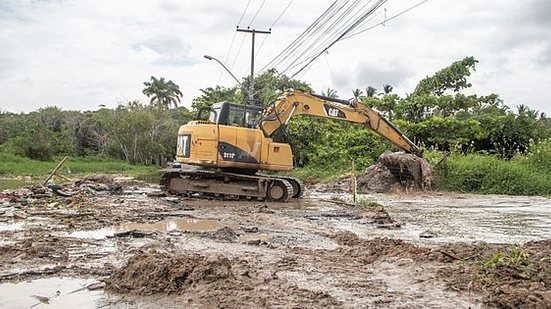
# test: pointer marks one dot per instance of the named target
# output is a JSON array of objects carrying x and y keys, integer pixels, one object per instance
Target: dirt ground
[{"x": 103, "y": 248}]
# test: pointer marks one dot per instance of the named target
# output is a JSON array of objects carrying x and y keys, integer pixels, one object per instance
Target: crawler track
[{"x": 223, "y": 185}]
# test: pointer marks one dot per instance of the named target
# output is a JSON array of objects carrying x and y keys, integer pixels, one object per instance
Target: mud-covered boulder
[{"x": 396, "y": 171}]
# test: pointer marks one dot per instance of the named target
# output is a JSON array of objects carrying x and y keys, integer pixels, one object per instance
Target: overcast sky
[{"x": 78, "y": 54}]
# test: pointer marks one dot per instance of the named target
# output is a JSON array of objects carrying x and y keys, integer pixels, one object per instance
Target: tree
[
  {"x": 270, "y": 84},
  {"x": 331, "y": 93},
  {"x": 453, "y": 77},
  {"x": 387, "y": 89},
  {"x": 217, "y": 94},
  {"x": 370, "y": 92},
  {"x": 357, "y": 93},
  {"x": 162, "y": 93}
]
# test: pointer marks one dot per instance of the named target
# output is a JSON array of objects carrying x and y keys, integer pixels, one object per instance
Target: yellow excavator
[{"x": 236, "y": 141}]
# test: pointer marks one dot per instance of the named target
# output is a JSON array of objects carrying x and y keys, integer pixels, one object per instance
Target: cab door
[{"x": 238, "y": 146}]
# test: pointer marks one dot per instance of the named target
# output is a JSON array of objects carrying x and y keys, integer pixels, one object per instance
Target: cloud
[
  {"x": 377, "y": 75},
  {"x": 80, "y": 53}
]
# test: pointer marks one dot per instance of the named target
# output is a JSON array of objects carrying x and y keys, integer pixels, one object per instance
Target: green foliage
[
  {"x": 163, "y": 94},
  {"x": 329, "y": 92},
  {"x": 452, "y": 78},
  {"x": 444, "y": 132},
  {"x": 314, "y": 174},
  {"x": 270, "y": 84},
  {"x": 330, "y": 143},
  {"x": 539, "y": 156},
  {"x": 217, "y": 94},
  {"x": 479, "y": 173},
  {"x": 133, "y": 132},
  {"x": 516, "y": 257}
]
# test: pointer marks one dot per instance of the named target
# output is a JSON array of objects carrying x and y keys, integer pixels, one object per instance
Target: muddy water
[
  {"x": 462, "y": 217},
  {"x": 57, "y": 290},
  {"x": 180, "y": 225}
]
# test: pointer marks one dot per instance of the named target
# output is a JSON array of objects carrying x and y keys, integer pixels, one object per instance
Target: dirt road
[{"x": 131, "y": 250}]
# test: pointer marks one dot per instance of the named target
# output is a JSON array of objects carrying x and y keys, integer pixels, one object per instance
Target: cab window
[{"x": 214, "y": 113}]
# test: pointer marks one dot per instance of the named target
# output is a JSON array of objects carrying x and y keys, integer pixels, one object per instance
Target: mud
[{"x": 153, "y": 252}]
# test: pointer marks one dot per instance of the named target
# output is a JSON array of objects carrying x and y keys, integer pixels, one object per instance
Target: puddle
[
  {"x": 180, "y": 225},
  {"x": 20, "y": 295},
  {"x": 462, "y": 217}
]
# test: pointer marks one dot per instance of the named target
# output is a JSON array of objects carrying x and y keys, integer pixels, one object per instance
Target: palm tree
[
  {"x": 331, "y": 93},
  {"x": 358, "y": 93},
  {"x": 522, "y": 109},
  {"x": 370, "y": 92},
  {"x": 387, "y": 89},
  {"x": 162, "y": 93}
]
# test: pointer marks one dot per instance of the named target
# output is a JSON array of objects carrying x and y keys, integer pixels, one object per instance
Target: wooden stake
[
  {"x": 54, "y": 172},
  {"x": 354, "y": 184}
]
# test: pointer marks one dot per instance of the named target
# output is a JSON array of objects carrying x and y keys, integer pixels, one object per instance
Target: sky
[{"x": 80, "y": 54}]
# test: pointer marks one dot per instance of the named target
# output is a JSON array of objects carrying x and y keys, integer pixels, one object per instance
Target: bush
[{"x": 479, "y": 173}]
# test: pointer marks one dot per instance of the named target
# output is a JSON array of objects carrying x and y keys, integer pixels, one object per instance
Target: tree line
[
  {"x": 437, "y": 114},
  {"x": 134, "y": 131}
]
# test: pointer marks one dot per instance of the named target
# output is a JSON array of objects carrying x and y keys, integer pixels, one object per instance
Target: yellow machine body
[{"x": 231, "y": 147}]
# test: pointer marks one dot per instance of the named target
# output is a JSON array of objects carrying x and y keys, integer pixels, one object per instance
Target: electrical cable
[
  {"x": 256, "y": 14},
  {"x": 280, "y": 15},
  {"x": 347, "y": 31},
  {"x": 332, "y": 31},
  {"x": 308, "y": 29},
  {"x": 345, "y": 35},
  {"x": 238, "y": 51},
  {"x": 243, "y": 14},
  {"x": 273, "y": 24},
  {"x": 232, "y": 41},
  {"x": 386, "y": 20},
  {"x": 294, "y": 53}
]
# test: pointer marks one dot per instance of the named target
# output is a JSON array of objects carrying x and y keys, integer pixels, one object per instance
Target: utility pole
[{"x": 251, "y": 81}]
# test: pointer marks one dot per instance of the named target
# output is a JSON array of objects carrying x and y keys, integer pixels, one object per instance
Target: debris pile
[{"x": 90, "y": 184}]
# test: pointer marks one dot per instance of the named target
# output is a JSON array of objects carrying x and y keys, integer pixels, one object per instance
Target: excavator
[{"x": 234, "y": 142}]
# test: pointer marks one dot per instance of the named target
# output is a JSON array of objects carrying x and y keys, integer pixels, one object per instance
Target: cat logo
[
  {"x": 333, "y": 111},
  {"x": 184, "y": 145}
]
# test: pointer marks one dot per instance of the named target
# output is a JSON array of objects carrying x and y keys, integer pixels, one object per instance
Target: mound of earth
[{"x": 161, "y": 272}]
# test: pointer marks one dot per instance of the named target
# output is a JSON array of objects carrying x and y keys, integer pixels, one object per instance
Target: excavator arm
[{"x": 289, "y": 104}]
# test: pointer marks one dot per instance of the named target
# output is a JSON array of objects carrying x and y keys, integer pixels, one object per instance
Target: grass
[
  {"x": 13, "y": 169},
  {"x": 477, "y": 173}
]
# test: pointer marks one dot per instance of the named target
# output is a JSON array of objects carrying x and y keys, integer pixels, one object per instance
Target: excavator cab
[{"x": 232, "y": 114}]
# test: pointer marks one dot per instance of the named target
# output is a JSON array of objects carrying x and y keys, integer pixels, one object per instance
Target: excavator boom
[{"x": 277, "y": 116}]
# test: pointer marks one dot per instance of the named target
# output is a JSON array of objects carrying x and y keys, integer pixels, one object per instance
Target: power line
[
  {"x": 331, "y": 32},
  {"x": 352, "y": 27},
  {"x": 233, "y": 39},
  {"x": 256, "y": 14},
  {"x": 387, "y": 20},
  {"x": 303, "y": 34},
  {"x": 273, "y": 24},
  {"x": 279, "y": 17},
  {"x": 345, "y": 35},
  {"x": 243, "y": 14},
  {"x": 238, "y": 51}
]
